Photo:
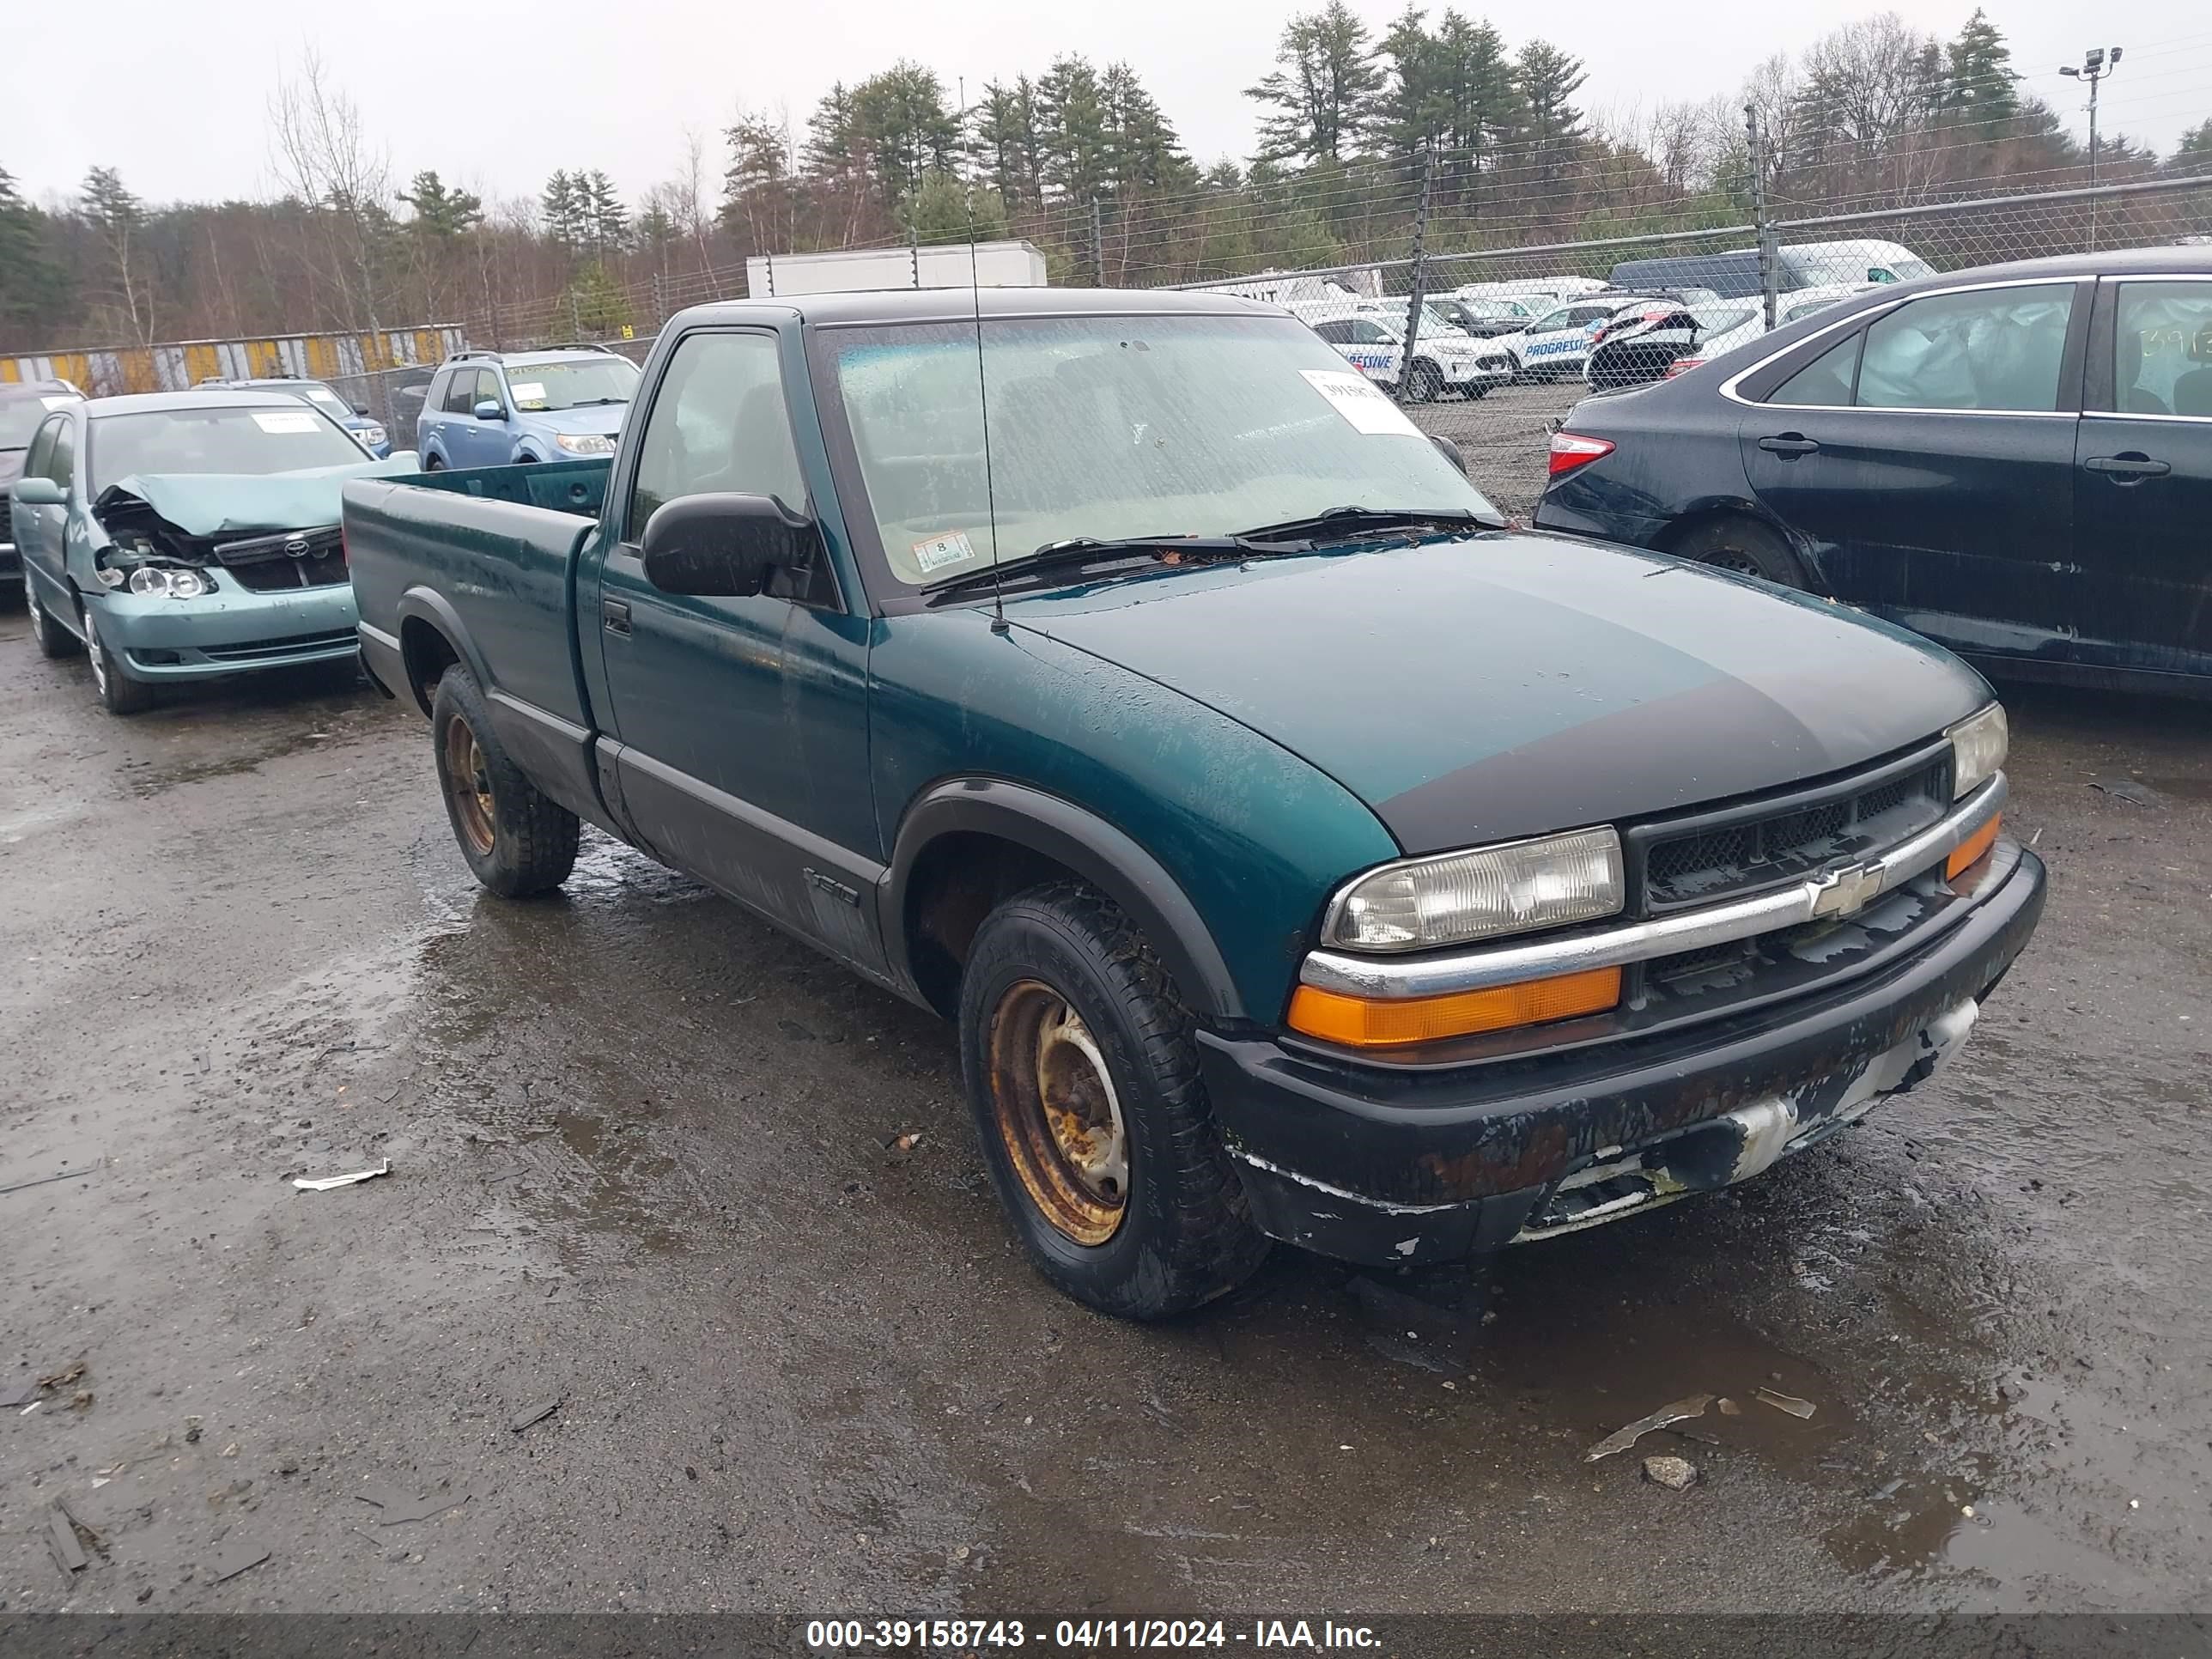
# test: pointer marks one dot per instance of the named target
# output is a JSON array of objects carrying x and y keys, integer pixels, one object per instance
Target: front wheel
[
  {"x": 118, "y": 692},
  {"x": 517, "y": 840},
  {"x": 1424, "y": 383},
  {"x": 53, "y": 640},
  {"x": 1083, "y": 1077}
]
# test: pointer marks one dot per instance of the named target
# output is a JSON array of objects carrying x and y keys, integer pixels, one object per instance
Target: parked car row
[{"x": 2016, "y": 461}]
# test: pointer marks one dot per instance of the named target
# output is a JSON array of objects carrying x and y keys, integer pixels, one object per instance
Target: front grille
[
  {"x": 299, "y": 645},
  {"x": 1776, "y": 843},
  {"x": 290, "y": 559}
]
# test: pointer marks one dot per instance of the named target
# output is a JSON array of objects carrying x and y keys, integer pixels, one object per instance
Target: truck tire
[
  {"x": 119, "y": 693},
  {"x": 1082, "y": 1076},
  {"x": 54, "y": 641},
  {"x": 517, "y": 841},
  {"x": 1744, "y": 546}
]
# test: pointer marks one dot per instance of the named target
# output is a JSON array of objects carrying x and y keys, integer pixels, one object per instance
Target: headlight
[
  {"x": 1457, "y": 896},
  {"x": 154, "y": 581},
  {"x": 585, "y": 443},
  {"x": 373, "y": 436},
  {"x": 1977, "y": 750}
]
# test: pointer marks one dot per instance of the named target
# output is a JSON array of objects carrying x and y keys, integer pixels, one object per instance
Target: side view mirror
[
  {"x": 37, "y": 492},
  {"x": 1452, "y": 452},
  {"x": 725, "y": 545},
  {"x": 490, "y": 409},
  {"x": 361, "y": 408}
]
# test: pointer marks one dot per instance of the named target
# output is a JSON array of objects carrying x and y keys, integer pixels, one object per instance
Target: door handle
[
  {"x": 1789, "y": 443},
  {"x": 2131, "y": 467},
  {"x": 615, "y": 613}
]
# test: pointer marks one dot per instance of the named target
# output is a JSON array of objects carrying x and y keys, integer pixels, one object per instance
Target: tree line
[{"x": 1354, "y": 127}]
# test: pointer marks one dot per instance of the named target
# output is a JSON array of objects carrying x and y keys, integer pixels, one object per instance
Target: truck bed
[{"x": 496, "y": 546}]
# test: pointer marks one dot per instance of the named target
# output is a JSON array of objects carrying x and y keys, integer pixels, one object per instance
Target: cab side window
[
  {"x": 2162, "y": 342},
  {"x": 42, "y": 446},
  {"x": 460, "y": 392},
  {"x": 1366, "y": 333},
  {"x": 1556, "y": 320},
  {"x": 1991, "y": 350},
  {"x": 61, "y": 466},
  {"x": 719, "y": 422},
  {"x": 1338, "y": 332}
]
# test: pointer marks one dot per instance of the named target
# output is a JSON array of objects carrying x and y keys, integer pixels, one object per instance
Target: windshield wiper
[
  {"x": 593, "y": 403},
  {"x": 1354, "y": 520},
  {"x": 1083, "y": 549}
]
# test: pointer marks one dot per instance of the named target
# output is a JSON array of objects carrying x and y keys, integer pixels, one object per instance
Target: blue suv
[
  {"x": 494, "y": 408},
  {"x": 367, "y": 431}
]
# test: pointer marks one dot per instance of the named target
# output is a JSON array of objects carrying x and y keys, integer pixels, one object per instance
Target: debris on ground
[
  {"x": 1621, "y": 1439},
  {"x": 905, "y": 1143},
  {"x": 2128, "y": 790},
  {"x": 1675, "y": 1474},
  {"x": 19, "y": 1394},
  {"x": 397, "y": 1507},
  {"x": 537, "y": 1414},
  {"x": 47, "y": 1180},
  {"x": 64, "y": 1377},
  {"x": 1728, "y": 1407},
  {"x": 325, "y": 1183},
  {"x": 231, "y": 1559},
  {"x": 1785, "y": 1402},
  {"x": 62, "y": 1539}
]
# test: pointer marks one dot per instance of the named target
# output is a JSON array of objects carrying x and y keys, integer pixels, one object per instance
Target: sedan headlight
[
  {"x": 1421, "y": 903},
  {"x": 372, "y": 435},
  {"x": 585, "y": 443},
  {"x": 1977, "y": 750},
  {"x": 154, "y": 581}
]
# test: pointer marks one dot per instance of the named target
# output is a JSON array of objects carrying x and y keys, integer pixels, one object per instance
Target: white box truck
[{"x": 993, "y": 264}]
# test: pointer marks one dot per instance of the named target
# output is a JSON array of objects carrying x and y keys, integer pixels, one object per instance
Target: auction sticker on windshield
[
  {"x": 938, "y": 551},
  {"x": 529, "y": 394},
  {"x": 1361, "y": 402},
  {"x": 285, "y": 420}
]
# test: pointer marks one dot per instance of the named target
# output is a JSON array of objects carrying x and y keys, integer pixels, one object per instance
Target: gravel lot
[
  {"x": 1506, "y": 437},
  {"x": 645, "y": 1167}
]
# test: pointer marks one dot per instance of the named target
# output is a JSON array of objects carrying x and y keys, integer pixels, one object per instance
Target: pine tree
[
  {"x": 1008, "y": 143},
  {"x": 31, "y": 285},
  {"x": 1321, "y": 98},
  {"x": 119, "y": 217},
  {"x": 1979, "y": 82},
  {"x": 440, "y": 213},
  {"x": 603, "y": 219},
  {"x": 1548, "y": 79},
  {"x": 903, "y": 129},
  {"x": 562, "y": 209},
  {"x": 1071, "y": 126}
]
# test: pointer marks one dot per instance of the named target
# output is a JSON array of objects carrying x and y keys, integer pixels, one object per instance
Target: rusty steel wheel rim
[
  {"x": 468, "y": 783},
  {"x": 1055, "y": 1108}
]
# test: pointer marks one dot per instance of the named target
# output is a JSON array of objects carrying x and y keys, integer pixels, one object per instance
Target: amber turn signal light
[
  {"x": 1971, "y": 851},
  {"x": 1393, "y": 1022}
]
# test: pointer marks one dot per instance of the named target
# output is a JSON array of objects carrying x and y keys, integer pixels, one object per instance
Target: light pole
[{"x": 2096, "y": 65}]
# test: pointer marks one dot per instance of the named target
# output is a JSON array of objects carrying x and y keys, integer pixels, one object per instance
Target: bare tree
[{"x": 323, "y": 159}]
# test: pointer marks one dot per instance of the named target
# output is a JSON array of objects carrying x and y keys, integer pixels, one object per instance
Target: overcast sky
[{"x": 496, "y": 95}]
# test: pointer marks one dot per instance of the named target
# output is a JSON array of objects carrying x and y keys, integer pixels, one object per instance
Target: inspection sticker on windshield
[
  {"x": 286, "y": 420},
  {"x": 529, "y": 394},
  {"x": 940, "y": 551},
  {"x": 1361, "y": 402}
]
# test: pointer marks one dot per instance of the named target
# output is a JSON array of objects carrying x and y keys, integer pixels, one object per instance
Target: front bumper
[
  {"x": 11, "y": 562},
  {"x": 1396, "y": 1164},
  {"x": 1474, "y": 371},
  {"x": 230, "y": 631}
]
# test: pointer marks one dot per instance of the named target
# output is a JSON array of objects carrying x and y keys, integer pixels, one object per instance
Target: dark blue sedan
[{"x": 2016, "y": 461}]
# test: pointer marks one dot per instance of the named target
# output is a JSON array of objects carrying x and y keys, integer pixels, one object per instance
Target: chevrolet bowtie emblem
[{"x": 1847, "y": 891}]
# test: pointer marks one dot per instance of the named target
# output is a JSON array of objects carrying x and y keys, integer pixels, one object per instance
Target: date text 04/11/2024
[{"x": 886, "y": 1635}]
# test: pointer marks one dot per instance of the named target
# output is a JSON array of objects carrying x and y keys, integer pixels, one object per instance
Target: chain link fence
[{"x": 1543, "y": 303}]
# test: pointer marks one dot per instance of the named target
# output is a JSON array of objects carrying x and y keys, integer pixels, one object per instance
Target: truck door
[
  {"x": 2142, "y": 480},
  {"x": 740, "y": 725},
  {"x": 1928, "y": 456}
]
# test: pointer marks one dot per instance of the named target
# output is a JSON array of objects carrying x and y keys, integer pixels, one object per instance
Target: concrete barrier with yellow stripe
[{"x": 177, "y": 366}]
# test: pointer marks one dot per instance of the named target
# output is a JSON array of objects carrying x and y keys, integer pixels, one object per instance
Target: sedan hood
[
  {"x": 218, "y": 503},
  {"x": 1510, "y": 684}
]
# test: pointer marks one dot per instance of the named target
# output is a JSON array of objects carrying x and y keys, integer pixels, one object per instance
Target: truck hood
[
  {"x": 1508, "y": 685},
  {"x": 219, "y": 503}
]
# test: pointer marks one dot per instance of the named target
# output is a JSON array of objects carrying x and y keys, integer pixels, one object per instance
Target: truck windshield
[
  {"x": 1112, "y": 427},
  {"x": 286, "y": 438},
  {"x": 537, "y": 386}
]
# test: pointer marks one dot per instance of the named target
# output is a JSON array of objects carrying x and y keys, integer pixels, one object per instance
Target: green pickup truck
[{"x": 1301, "y": 852}]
